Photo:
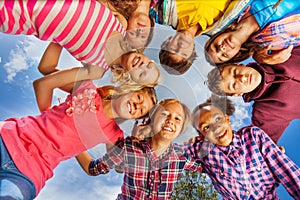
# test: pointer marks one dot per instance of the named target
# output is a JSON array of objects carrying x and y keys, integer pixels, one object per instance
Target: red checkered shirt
[{"x": 146, "y": 176}]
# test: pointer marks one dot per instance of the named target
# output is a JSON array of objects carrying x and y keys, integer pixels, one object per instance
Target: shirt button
[
  {"x": 248, "y": 192},
  {"x": 222, "y": 174}
]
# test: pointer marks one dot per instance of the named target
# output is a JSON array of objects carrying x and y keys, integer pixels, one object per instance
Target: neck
[
  {"x": 107, "y": 108},
  {"x": 114, "y": 48},
  {"x": 159, "y": 146}
]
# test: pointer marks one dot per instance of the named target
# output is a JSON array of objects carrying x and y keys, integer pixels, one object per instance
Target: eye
[
  {"x": 225, "y": 55},
  {"x": 205, "y": 128},
  {"x": 218, "y": 119},
  {"x": 178, "y": 119}
]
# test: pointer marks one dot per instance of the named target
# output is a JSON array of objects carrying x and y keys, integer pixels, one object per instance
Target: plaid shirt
[
  {"x": 252, "y": 165},
  {"x": 280, "y": 34},
  {"x": 146, "y": 175}
]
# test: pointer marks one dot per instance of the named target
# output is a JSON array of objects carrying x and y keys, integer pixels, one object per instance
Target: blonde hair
[
  {"x": 122, "y": 76},
  {"x": 110, "y": 92},
  {"x": 186, "y": 110}
]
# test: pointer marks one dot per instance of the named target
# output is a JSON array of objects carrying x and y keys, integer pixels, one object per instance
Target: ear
[
  {"x": 237, "y": 94},
  {"x": 227, "y": 118}
]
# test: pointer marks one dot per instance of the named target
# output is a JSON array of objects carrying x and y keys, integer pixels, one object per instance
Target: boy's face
[
  {"x": 181, "y": 46},
  {"x": 138, "y": 30},
  {"x": 168, "y": 121},
  {"x": 238, "y": 79},
  {"x": 214, "y": 125},
  {"x": 224, "y": 47}
]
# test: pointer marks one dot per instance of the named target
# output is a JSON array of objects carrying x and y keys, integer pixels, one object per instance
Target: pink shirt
[
  {"x": 38, "y": 144},
  {"x": 82, "y": 27}
]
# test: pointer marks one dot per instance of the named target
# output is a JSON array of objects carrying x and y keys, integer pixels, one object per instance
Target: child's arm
[
  {"x": 49, "y": 61},
  {"x": 111, "y": 159},
  {"x": 84, "y": 159},
  {"x": 262, "y": 56},
  {"x": 44, "y": 86}
]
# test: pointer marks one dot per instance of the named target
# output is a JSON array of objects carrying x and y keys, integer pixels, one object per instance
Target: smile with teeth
[
  {"x": 167, "y": 128},
  {"x": 135, "y": 60},
  {"x": 221, "y": 136},
  {"x": 129, "y": 107}
]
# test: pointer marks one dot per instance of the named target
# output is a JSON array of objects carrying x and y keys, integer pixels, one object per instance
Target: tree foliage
[{"x": 194, "y": 186}]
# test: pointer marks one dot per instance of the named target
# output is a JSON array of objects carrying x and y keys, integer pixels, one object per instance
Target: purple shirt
[
  {"x": 252, "y": 165},
  {"x": 146, "y": 176}
]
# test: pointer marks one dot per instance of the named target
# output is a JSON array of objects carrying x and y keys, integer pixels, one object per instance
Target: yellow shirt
[{"x": 202, "y": 12}]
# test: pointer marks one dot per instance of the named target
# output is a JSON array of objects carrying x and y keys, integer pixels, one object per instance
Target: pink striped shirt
[{"x": 82, "y": 27}]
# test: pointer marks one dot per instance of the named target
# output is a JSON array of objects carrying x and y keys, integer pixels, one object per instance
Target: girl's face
[
  {"x": 181, "y": 46},
  {"x": 168, "y": 121},
  {"x": 214, "y": 125},
  {"x": 138, "y": 30},
  {"x": 224, "y": 47},
  {"x": 238, "y": 79},
  {"x": 132, "y": 105},
  {"x": 141, "y": 69}
]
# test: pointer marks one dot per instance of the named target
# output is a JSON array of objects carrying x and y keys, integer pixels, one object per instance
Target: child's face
[
  {"x": 224, "y": 47},
  {"x": 168, "y": 121},
  {"x": 142, "y": 70},
  {"x": 181, "y": 46},
  {"x": 214, "y": 125},
  {"x": 132, "y": 105},
  {"x": 138, "y": 30},
  {"x": 238, "y": 79}
]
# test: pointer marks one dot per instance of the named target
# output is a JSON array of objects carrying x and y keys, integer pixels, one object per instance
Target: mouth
[
  {"x": 219, "y": 137},
  {"x": 167, "y": 128},
  {"x": 228, "y": 44},
  {"x": 129, "y": 107},
  {"x": 135, "y": 61}
]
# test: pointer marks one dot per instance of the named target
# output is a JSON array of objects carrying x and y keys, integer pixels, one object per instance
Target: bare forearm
[{"x": 84, "y": 160}]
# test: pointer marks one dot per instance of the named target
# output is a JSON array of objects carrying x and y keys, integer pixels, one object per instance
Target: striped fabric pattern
[{"x": 82, "y": 27}]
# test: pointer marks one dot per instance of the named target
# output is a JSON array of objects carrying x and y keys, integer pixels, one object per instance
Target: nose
[
  {"x": 169, "y": 120},
  {"x": 222, "y": 47},
  {"x": 242, "y": 78},
  {"x": 216, "y": 128}
]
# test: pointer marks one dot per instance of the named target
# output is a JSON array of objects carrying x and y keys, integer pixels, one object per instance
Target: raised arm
[
  {"x": 84, "y": 159},
  {"x": 50, "y": 58},
  {"x": 113, "y": 158}
]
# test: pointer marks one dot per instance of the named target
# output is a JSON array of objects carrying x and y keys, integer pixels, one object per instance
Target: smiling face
[
  {"x": 214, "y": 125},
  {"x": 181, "y": 46},
  {"x": 138, "y": 30},
  {"x": 132, "y": 105},
  {"x": 168, "y": 121},
  {"x": 224, "y": 47},
  {"x": 238, "y": 79},
  {"x": 142, "y": 70}
]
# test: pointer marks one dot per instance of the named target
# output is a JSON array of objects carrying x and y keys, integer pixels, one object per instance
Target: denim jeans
[{"x": 13, "y": 184}]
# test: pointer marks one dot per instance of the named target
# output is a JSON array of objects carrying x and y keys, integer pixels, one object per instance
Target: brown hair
[
  {"x": 214, "y": 80},
  {"x": 247, "y": 49},
  {"x": 172, "y": 67},
  {"x": 223, "y": 103}
]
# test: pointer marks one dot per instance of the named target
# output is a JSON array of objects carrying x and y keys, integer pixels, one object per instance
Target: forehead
[
  {"x": 173, "y": 107},
  {"x": 206, "y": 113}
]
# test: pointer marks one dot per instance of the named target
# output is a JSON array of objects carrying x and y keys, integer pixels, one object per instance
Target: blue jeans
[{"x": 13, "y": 184}]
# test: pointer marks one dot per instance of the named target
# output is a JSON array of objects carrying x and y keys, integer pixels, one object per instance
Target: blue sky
[{"x": 19, "y": 57}]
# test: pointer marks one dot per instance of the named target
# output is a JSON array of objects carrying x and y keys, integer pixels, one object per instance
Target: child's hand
[
  {"x": 141, "y": 131},
  {"x": 262, "y": 56}
]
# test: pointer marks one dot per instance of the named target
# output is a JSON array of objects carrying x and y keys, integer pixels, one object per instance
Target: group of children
[{"x": 243, "y": 164}]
